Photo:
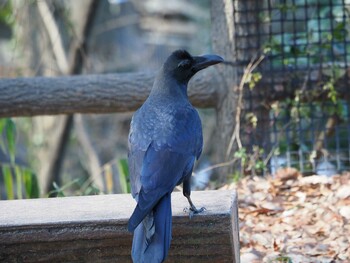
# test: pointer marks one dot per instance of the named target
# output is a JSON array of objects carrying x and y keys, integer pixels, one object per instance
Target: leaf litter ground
[{"x": 291, "y": 218}]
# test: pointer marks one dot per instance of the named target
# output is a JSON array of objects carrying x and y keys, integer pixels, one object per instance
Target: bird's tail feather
[
  {"x": 152, "y": 237},
  {"x": 143, "y": 208}
]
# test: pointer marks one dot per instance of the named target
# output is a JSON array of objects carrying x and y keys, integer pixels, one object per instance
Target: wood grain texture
[
  {"x": 103, "y": 93},
  {"x": 93, "y": 229}
]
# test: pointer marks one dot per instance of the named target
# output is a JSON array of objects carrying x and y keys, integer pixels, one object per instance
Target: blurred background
[
  {"x": 295, "y": 100},
  {"x": 85, "y": 154}
]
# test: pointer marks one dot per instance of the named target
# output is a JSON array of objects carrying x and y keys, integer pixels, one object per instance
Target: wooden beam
[
  {"x": 93, "y": 229},
  {"x": 104, "y": 93}
]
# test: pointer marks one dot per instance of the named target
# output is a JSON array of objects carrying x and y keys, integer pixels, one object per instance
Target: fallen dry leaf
[
  {"x": 287, "y": 173},
  {"x": 343, "y": 192},
  {"x": 345, "y": 211},
  {"x": 289, "y": 217}
]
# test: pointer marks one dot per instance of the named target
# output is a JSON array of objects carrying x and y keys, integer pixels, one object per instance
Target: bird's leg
[
  {"x": 193, "y": 208},
  {"x": 187, "y": 194}
]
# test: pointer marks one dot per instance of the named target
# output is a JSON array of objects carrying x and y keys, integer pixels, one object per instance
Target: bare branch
[
  {"x": 93, "y": 159},
  {"x": 236, "y": 132},
  {"x": 218, "y": 165},
  {"x": 54, "y": 35}
]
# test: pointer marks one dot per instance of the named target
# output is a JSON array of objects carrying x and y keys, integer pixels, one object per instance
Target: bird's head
[{"x": 182, "y": 66}]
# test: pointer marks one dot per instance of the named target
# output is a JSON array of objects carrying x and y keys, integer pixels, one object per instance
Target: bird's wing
[
  {"x": 178, "y": 131},
  {"x": 140, "y": 138},
  {"x": 161, "y": 171},
  {"x": 185, "y": 135},
  {"x": 163, "y": 147}
]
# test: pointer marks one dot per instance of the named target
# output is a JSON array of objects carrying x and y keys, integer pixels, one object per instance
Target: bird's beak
[{"x": 202, "y": 62}]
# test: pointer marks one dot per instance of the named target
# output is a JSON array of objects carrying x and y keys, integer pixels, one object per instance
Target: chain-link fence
[{"x": 298, "y": 112}]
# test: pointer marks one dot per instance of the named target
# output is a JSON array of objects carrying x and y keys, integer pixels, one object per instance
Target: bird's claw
[{"x": 193, "y": 211}]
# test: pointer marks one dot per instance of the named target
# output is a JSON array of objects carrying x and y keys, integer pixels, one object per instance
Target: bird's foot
[{"x": 193, "y": 210}]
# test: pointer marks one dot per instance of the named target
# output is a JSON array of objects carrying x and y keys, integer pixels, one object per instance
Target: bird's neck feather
[{"x": 167, "y": 85}]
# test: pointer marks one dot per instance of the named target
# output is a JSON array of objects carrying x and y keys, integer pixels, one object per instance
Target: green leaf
[
  {"x": 339, "y": 32},
  {"x": 27, "y": 179},
  {"x": 123, "y": 170},
  {"x": 6, "y": 13},
  {"x": 30, "y": 184},
  {"x": 332, "y": 92},
  {"x": 241, "y": 153},
  {"x": 18, "y": 173},
  {"x": 2, "y": 126},
  {"x": 59, "y": 191},
  {"x": 11, "y": 139},
  {"x": 260, "y": 165},
  {"x": 8, "y": 181},
  {"x": 236, "y": 176},
  {"x": 35, "y": 186}
]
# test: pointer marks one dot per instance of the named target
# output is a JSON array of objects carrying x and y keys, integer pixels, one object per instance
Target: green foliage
[
  {"x": 330, "y": 86},
  {"x": 6, "y": 13},
  {"x": 252, "y": 162},
  {"x": 236, "y": 176},
  {"x": 8, "y": 181},
  {"x": 8, "y": 127},
  {"x": 2, "y": 127},
  {"x": 252, "y": 79},
  {"x": 60, "y": 191},
  {"x": 77, "y": 187},
  {"x": 18, "y": 180},
  {"x": 123, "y": 170},
  {"x": 286, "y": 7},
  {"x": 332, "y": 92},
  {"x": 252, "y": 119},
  {"x": 318, "y": 45},
  {"x": 85, "y": 185},
  {"x": 319, "y": 42},
  {"x": 30, "y": 183},
  {"x": 10, "y": 130},
  {"x": 293, "y": 116},
  {"x": 242, "y": 155}
]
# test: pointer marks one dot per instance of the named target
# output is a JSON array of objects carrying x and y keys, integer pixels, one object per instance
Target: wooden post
[{"x": 93, "y": 229}]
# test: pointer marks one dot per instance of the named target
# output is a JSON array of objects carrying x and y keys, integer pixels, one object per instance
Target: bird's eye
[{"x": 184, "y": 64}]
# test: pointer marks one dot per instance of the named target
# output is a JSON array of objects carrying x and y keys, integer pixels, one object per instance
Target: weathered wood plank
[
  {"x": 103, "y": 93},
  {"x": 93, "y": 229}
]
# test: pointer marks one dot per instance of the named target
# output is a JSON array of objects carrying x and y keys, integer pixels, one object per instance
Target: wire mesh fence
[{"x": 298, "y": 111}]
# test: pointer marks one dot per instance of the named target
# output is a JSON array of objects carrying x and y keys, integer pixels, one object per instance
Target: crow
[{"x": 165, "y": 139}]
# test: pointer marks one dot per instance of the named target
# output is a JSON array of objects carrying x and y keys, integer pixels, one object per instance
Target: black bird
[{"x": 165, "y": 139}]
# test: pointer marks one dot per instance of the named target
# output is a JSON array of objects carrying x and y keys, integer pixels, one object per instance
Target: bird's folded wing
[
  {"x": 166, "y": 139},
  {"x": 161, "y": 171}
]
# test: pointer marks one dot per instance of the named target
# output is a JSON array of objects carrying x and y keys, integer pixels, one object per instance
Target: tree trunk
[{"x": 223, "y": 44}]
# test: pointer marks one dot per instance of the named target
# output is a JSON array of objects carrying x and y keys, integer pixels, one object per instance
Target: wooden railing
[{"x": 93, "y": 229}]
